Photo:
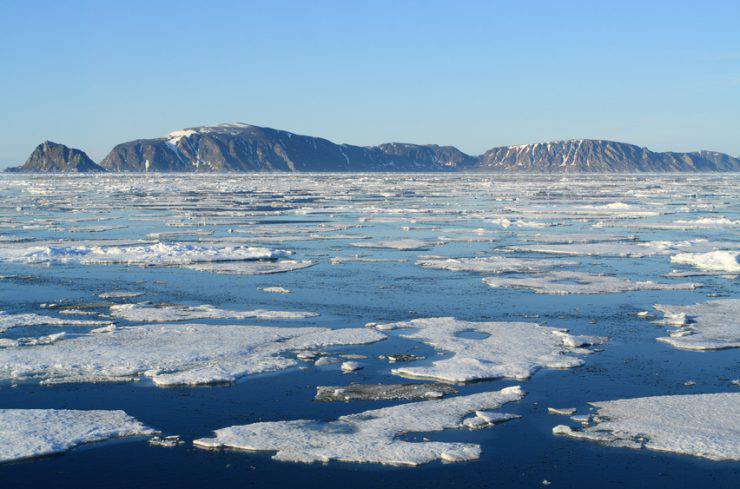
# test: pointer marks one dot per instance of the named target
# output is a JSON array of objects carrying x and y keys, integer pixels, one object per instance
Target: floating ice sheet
[
  {"x": 252, "y": 267},
  {"x": 397, "y": 244},
  {"x": 629, "y": 249},
  {"x": 712, "y": 325},
  {"x": 183, "y": 354},
  {"x": 380, "y": 392},
  {"x": 719, "y": 261},
  {"x": 702, "y": 425},
  {"x": 158, "y": 254},
  {"x": 370, "y": 436},
  {"x": 493, "y": 264},
  {"x": 570, "y": 282},
  {"x": 163, "y": 313},
  {"x": 505, "y": 349},
  {"x": 10, "y": 321},
  {"x": 29, "y": 433}
]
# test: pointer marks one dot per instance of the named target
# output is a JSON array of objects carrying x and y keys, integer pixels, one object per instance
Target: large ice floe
[
  {"x": 493, "y": 264},
  {"x": 10, "y": 321},
  {"x": 712, "y": 325},
  {"x": 563, "y": 282},
  {"x": 396, "y": 244},
  {"x": 145, "y": 254},
  {"x": 29, "y": 433},
  {"x": 625, "y": 249},
  {"x": 702, "y": 425},
  {"x": 719, "y": 261},
  {"x": 163, "y": 313},
  {"x": 262, "y": 267},
  {"x": 501, "y": 349},
  {"x": 183, "y": 354},
  {"x": 370, "y": 436}
]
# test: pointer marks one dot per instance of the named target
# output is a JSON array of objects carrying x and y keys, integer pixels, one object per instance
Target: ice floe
[
  {"x": 10, "y": 321},
  {"x": 29, "y": 433},
  {"x": 505, "y": 349},
  {"x": 251, "y": 267},
  {"x": 397, "y": 244},
  {"x": 158, "y": 254},
  {"x": 563, "y": 282},
  {"x": 712, "y": 325},
  {"x": 370, "y": 436},
  {"x": 625, "y": 249},
  {"x": 380, "y": 392},
  {"x": 719, "y": 261},
  {"x": 493, "y": 264},
  {"x": 163, "y": 313},
  {"x": 169, "y": 354},
  {"x": 702, "y": 425}
]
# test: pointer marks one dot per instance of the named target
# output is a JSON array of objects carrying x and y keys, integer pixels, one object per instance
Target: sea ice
[
  {"x": 158, "y": 254},
  {"x": 169, "y": 354},
  {"x": 719, "y": 261},
  {"x": 571, "y": 282},
  {"x": 509, "y": 349},
  {"x": 252, "y": 267},
  {"x": 702, "y": 425},
  {"x": 163, "y": 313},
  {"x": 397, "y": 244},
  {"x": 381, "y": 392},
  {"x": 712, "y": 325},
  {"x": 370, "y": 436},
  {"x": 10, "y": 321},
  {"x": 28, "y": 433},
  {"x": 493, "y": 264}
]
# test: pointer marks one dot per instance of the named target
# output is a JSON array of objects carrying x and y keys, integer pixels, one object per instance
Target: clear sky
[{"x": 90, "y": 74}]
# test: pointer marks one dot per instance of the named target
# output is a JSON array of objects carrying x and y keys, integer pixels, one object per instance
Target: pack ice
[
  {"x": 10, "y": 321},
  {"x": 157, "y": 254},
  {"x": 183, "y": 354},
  {"x": 163, "y": 313},
  {"x": 702, "y": 425},
  {"x": 505, "y": 349},
  {"x": 28, "y": 433},
  {"x": 712, "y": 325},
  {"x": 720, "y": 261},
  {"x": 571, "y": 282},
  {"x": 493, "y": 264},
  {"x": 370, "y": 436}
]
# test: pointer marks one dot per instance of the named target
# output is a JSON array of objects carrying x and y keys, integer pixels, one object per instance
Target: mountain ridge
[{"x": 239, "y": 147}]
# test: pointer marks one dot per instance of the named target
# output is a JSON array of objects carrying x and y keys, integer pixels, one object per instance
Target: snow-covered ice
[
  {"x": 183, "y": 354},
  {"x": 509, "y": 349},
  {"x": 712, "y": 325},
  {"x": 370, "y": 436},
  {"x": 397, "y": 244},
  {"x": 571, "y": 282},
  {"x": 157, "y": 254},
  {"x": 720, "y": 261},
  {"x": 264, "y": 267},
  {"x": 10, "y": 321},
  {"x": 163, "y": 313},
  {"x": 493, "y": 264},
  {"x": 702, "y": 425},
  {"x": 29, "y": 433}
]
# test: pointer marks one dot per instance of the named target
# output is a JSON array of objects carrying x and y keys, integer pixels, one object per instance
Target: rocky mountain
[
  {"x": 243, "y": 147},
  {"x": 592, "y": 155},
  {"x": 49, "y": 157},
  {"x": 247, "y": 148}
]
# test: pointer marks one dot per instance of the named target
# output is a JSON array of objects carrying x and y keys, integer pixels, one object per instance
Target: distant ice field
[{"x": 213, "y": 307}]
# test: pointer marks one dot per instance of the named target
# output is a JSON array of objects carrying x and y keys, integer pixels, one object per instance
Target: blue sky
[{"x": 472, "y": 74}]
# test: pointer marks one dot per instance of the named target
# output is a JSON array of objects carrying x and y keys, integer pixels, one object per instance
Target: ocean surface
[{"x": 50, "y": 226}]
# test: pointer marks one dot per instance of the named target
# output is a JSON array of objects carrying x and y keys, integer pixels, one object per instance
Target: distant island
[{"x": 247, "y": 148}]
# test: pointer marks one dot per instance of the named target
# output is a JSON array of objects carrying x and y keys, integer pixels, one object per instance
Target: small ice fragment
[
  {"x": 166, "y": 441},
  {"x": 275, "y": 290},
  {"x": 350, "y": 367},
  {"x": 561, "y": 411},
  {"x": 120, "y": 295},
  {"x": 327, "y": 361}
]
